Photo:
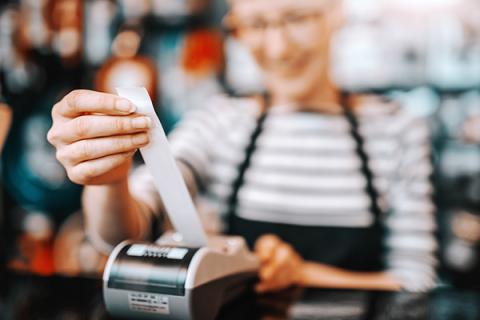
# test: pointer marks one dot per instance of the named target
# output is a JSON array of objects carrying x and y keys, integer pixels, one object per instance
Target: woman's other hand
[{"x": 281, "y": 266}]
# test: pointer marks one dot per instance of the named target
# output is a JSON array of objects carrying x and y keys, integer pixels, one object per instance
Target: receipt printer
[
  {"x": 187, "y": 275},
  {"x": 166, "y": 280}
]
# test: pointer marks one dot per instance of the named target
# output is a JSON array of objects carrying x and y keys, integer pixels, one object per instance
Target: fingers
[
  {"x": 279, "y": 264},
  {"x": 85, "y": 172},
  {"x": 263, "y": 287},
  {"x": 281, "y": 255},
  {"x": 95, "y": 126},
  {"x": 79, "y": 102},
  {"x": 96, "y": 135},
  {"x": 266, "y": 245},
  {"x": 86, "y": 150}
]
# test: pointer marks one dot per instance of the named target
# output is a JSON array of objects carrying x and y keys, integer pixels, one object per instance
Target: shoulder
[
  {"x": 225, "y": 105},
  {"x": 221, "y": 109},
  {"x": 217, "y": 117},
  {"x": 392, "y": 116},
  {"x": 370, "y": 107},
  {"x": 232, "y": 112}
]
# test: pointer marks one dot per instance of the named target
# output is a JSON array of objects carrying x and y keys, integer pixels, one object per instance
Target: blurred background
[{"x": 425, "y": 54}]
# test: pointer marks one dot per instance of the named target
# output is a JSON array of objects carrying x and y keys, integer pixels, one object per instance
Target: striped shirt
[{"x": 306, "y": 171}]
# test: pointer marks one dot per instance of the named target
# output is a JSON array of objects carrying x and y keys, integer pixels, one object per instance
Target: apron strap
[
  {"x": 363, "y": 155},
  {"x": 245, "y": 164},
  {"x": 252, "y": 146}
]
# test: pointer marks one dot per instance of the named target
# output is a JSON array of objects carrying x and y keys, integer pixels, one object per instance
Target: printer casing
[{"x": 166, "y": 280}]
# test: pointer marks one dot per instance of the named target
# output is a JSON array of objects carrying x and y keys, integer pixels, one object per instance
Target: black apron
[{"x": 352, "y": 248}]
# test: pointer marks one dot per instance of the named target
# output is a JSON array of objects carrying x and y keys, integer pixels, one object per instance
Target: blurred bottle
[
  {"x": 357, "y": 50},
  {"x": 35, "y": 28},
  {"x": 460, "y": 254},
  {"x": 127, "y": 67},
  {"x": 174, "y": 11},
  {"x": 453, "y": 60},
  {"x": 457, "y": 145},
  {"x": 421, "y": 101},
  {"x": 66, "y": 18},
  {"x": 35, "y": 245},
  {"x": 134, "y": 10},
  {"x": 398, "y": 44},
  {"x": 99, "y": 17},
  {"x": 17, "y": 73},
  {"x": 171, "y": 12}
]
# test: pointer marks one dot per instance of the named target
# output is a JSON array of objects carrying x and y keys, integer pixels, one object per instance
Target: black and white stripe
[{"x": 306, "y": 172}]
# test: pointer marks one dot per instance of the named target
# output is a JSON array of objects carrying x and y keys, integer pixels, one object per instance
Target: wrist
[
  {"x": 119, "y": 184},
  {"x": 301, "y": 278},
  {"x": 116, "y": 177},
  {"x": 113, "y": 189}
]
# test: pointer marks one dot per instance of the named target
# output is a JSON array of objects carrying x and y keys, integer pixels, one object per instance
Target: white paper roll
[{"x": 166, "y": 175}]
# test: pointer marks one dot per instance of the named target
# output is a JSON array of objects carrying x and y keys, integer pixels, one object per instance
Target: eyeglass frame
[{"x": 233, "y": 27}]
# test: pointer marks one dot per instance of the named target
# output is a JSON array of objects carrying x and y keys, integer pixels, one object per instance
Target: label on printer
[
  {"x": 148, "y": 302},
  {"x": 142, "y": 250}
]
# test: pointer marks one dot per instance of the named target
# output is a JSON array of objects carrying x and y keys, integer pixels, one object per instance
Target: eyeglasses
[{"x": 294, "y": 25}]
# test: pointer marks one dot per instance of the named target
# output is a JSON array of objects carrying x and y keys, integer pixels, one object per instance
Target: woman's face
[{"x": 290, "y": 40}]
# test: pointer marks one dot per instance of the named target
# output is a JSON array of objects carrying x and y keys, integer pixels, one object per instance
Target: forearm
[
  {"x": 112, "y": 213},
  {"x": 323, "y": 276}
]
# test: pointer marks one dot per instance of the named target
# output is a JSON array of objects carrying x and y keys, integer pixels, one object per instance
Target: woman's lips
[{"x": 287, "y": 68}]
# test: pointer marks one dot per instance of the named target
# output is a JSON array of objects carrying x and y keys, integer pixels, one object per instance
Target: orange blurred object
[
  {"x": 136, "y": 71},
  {"x": 202, "y": 53},
  {"x": 5, "y": 121},
  {"x": 127, "y": 68},
  {"x": 35, "y": 246},
  {"x": 42, "y": 259}
]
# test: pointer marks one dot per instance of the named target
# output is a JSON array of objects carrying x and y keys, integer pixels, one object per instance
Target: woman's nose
[{"x": 276, "y": 43}]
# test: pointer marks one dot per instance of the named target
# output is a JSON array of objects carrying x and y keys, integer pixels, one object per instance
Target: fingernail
[
  {"x": 125, "y": 105},
  {"x": 140, "y": 139},
  {"x": 142, "y": 123}
]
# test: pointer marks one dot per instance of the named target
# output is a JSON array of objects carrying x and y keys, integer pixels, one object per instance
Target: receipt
[{"x": 166, "y": 175}]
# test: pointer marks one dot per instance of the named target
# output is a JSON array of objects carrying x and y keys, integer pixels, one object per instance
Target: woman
[{"x": 331, "y": 192}]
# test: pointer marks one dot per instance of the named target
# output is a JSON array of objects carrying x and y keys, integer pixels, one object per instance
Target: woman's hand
[
  {"x": 281, "y": 266},
  {"x": 96, "y": 135}
]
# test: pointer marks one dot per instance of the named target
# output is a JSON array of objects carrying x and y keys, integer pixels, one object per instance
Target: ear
[{"x": 229, "y": 24}]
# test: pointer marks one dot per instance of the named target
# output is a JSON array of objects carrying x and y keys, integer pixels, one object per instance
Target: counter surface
[{"x": 37, "y": 298}]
